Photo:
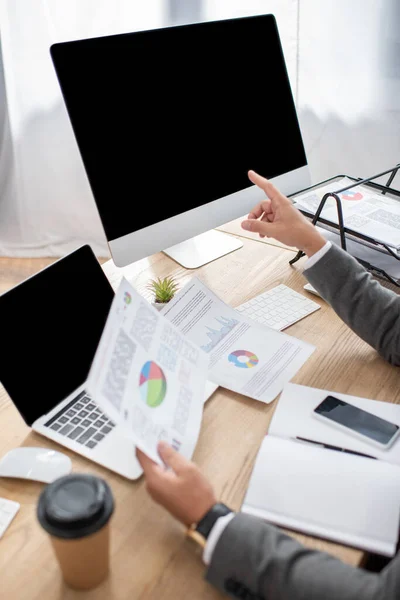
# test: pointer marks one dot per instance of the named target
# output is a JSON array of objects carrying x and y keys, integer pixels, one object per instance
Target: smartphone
[{"x": 357, "y": 422}]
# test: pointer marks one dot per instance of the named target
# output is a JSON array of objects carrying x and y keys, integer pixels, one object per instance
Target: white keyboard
[
  {"x": 8, "y": 510},
  {"x": 278, "y": 308}
]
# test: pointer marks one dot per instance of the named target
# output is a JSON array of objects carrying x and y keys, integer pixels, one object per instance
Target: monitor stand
[{"x": 203, "y": 248}]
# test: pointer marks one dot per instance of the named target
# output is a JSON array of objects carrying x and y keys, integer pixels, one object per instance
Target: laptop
[{"x": 50, "y": 327}]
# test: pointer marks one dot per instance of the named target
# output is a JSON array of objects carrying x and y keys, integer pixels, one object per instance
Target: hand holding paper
[{"x": 181, "y": 488}]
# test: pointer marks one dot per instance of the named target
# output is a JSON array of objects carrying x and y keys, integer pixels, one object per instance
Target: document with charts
[
  {"x": 244, "y": 356},
  {"x": 148, "y": 377},
  {"x": 364, "y": 210}
]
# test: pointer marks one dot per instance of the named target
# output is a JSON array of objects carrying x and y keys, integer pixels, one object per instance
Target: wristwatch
[{"x": 200, "y": 531}]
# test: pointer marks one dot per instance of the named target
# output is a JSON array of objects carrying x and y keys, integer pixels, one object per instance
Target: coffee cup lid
[{"x": 75, "y": 506}]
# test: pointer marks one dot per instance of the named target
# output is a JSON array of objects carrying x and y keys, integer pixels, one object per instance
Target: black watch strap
[{"x": 205, "y": 525}]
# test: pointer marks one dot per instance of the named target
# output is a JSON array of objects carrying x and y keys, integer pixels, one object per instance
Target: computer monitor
[{"x": 169, "y": 121}]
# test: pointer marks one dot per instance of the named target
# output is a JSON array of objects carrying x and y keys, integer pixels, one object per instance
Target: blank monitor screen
[{"x": 171, "y": 119}]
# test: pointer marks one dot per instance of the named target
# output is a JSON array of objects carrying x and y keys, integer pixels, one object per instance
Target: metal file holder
[{"x": 346, "y": 231}]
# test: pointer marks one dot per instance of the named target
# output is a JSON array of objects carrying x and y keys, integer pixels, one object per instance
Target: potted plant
[{"x": 163, "y": 290}]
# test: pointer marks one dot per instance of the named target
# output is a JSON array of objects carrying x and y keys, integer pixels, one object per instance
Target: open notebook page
[
  {"x": 342, "y": 497},
  {"x": 294, "y": 417}
]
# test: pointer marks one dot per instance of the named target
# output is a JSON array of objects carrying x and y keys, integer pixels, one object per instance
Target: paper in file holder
[{"x": 346, "y": 233}]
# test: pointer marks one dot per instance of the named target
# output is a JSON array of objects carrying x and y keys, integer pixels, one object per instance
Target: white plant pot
[{"x": 159, "y": 305}]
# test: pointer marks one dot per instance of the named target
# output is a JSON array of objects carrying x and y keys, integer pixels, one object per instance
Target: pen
[{"x": 330, "y": 447}]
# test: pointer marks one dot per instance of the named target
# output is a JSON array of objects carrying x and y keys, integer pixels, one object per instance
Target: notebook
[{"x": 347, "y": 498}]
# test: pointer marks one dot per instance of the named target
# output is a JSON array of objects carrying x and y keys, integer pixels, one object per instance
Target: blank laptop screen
[{"x": 50, "y": 326}]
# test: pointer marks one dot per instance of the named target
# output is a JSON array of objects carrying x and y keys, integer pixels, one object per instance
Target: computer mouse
[{"x": 37, "y": 464}]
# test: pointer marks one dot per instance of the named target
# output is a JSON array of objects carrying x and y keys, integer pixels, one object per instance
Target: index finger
[{"x": 271, "y": 191}]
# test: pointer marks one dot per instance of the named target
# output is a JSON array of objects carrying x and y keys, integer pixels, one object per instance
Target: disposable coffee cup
[{"x": 75, "y": 511}]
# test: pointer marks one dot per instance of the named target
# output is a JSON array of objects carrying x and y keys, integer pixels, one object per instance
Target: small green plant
[{"x": 163, "y": 289}]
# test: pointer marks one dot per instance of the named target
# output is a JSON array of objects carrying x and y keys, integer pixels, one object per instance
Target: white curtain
[
  {"x": 343, "y": 58},
  {"x": 46, "y": 205},
  {"x": 349, "y": 86}
]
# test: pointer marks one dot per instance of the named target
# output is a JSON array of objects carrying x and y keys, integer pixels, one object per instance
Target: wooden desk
[{"x": 150, "y": 557}]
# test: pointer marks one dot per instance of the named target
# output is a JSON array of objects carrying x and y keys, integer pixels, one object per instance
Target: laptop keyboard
[{"x": 82, "y": 420}]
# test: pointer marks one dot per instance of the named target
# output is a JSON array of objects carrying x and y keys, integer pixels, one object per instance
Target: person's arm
[
  {"x": 372, "y": 311},
  {"x": 250, "y": 559},
  {"x": 369, "y": 309},
  {"x": 254, "y": 558}
]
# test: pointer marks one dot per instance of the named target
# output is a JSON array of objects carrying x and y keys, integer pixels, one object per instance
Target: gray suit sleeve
[
  {"x": 256, "y": 561},
  {"x": 369, "y": 309}
]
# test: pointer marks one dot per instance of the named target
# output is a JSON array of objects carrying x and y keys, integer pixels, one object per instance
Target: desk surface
[{"x": 150, "y": 556}]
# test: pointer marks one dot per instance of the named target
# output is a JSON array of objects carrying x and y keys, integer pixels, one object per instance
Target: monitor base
[{"x": 202, "y": 249}]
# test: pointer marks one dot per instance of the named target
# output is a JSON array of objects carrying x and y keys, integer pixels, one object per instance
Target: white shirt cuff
[
  {"x": 214, "y": 536},
  {"x": 317, "y": 256}
]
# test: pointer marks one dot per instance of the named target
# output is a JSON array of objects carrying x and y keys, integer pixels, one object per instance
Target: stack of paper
[{"x": 364, "y": 210}]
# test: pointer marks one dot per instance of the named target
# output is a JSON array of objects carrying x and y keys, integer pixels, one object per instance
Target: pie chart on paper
[
  {"x": 243, "y": 359},
  {"x": 352, "y": 195},
  {"x": 152, "y": 384}
]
